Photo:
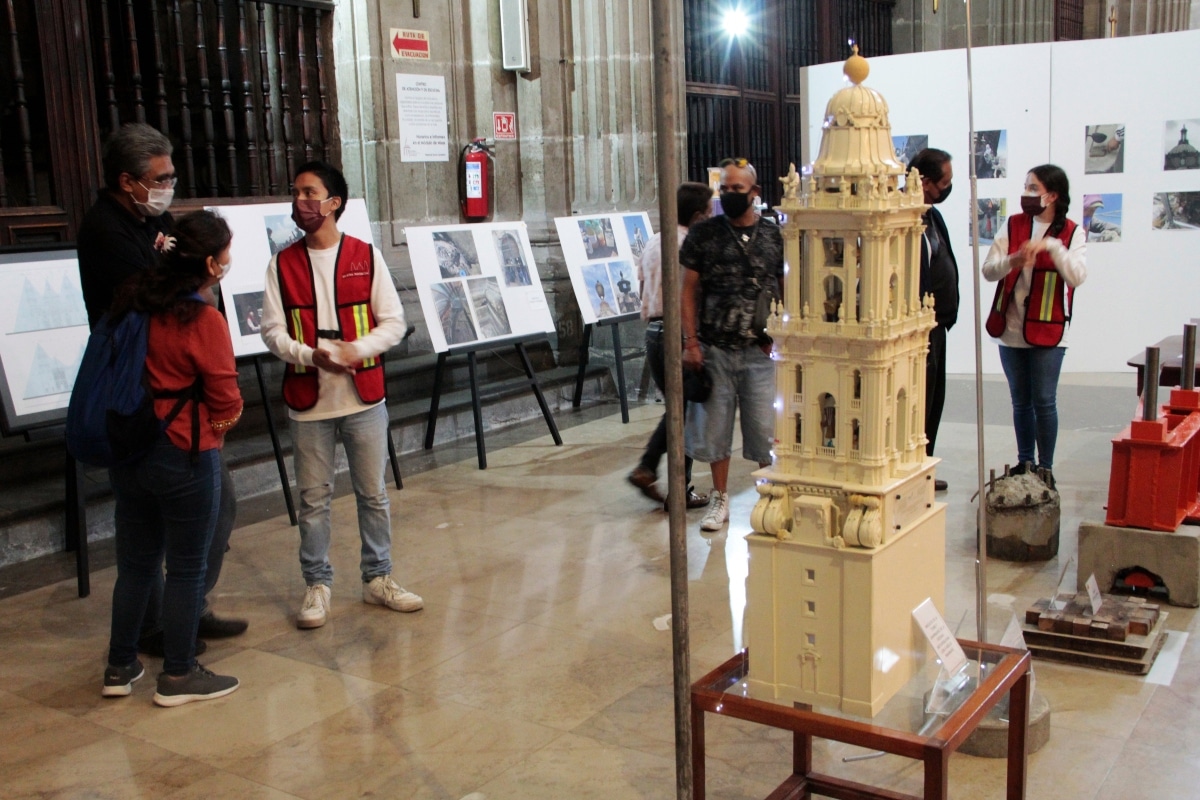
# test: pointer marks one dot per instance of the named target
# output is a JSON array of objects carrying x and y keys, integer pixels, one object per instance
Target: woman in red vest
[{"x": 1039, "y": 259}]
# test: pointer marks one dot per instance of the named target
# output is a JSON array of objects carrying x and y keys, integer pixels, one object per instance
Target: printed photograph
[
  {"x": 489, "y": 307},
  {"x": 991, "y": 154},
  {"x": 453, "y": 314},
  {"x": 909, "y": 146},
  {"x": 1176, "y": 211},
  {"x": 456, "y": 254},
  {"x": 992, "y": 213},
  {"x": 598, "y": 238},
  {"x": 248, "y": 310},
  {"x": 1102, "y": 217},
  {"x": 281, "y": 232},
  {"x": 635, "y": 227},
  {"x": 599, "y": 290},
  {"x": 512, "y": 258},
  {"x": 628, "y": 300},
  {"x": 835, "y": 250},
  {"x": 1178, "y": 152},
  {"x": 1104, "y": 149}
]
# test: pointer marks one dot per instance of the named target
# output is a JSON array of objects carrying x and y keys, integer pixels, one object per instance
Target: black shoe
[
  {"x": 118, "y": 681},
  {"x": 940, "y": 485},
  {"x": 214, "y": 627},
  {"x": 152, "y": 645},
  {"x": 693, "y": 500},
  {"x": 198, "y": 684}
]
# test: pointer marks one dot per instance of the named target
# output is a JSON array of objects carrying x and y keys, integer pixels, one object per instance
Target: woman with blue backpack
[{"x": 167, "y": 500}]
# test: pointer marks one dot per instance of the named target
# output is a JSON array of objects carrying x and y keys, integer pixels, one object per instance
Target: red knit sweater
[{"x": 176, "y": 354}]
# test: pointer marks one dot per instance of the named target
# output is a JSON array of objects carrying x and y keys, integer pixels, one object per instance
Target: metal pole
[
  {"x": 1150, "y": 389},
  {"x": 981, "y": 559},
  {"x": 1187, "y": 378},
  {"x": 666, "y": 84}
]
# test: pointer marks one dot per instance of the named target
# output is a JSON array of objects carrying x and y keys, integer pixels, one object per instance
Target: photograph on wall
[
  {"x": 43, "y": 333},
  {"x": 1178, "y": 152},
  {"x": 600, "y": 290},
  {"x": 621, "y": 275},
  {"x": 260, "y": 232},
  {"x": 1176, "y": 211},
  {"x": 502, "y": 297},
  {"x": 281, "y": 232},
  {"x": 247, "y": 310},
  {"x": 1102, "y": 217},
  {"x": 909, "y": 146},
  {"x": 512, "y": 261},
  {"x": 1104, "y": 149},
  {"x": 453, "y": 315},
  {"x": 638, "y": 233},
  {"x": 992, "y": 212},
  {"x": 488, "y": 305},
  {"x": 991, "y": 154},
  {"x": 456, "y": 254},
  {"x": 598, "y": 238}
]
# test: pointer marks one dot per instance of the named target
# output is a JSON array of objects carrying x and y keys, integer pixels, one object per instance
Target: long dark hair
[
  {"x": 182, "y": 268},
  {"x": 1053, "y": 179}
]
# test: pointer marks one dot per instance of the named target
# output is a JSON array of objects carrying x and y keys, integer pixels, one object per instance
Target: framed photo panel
[
  {"x": 43, "y": 333},
  {"x": 260, "y": 230},
  {"x": 477, "y": 283},
  {"x": 601, "y": 253}
]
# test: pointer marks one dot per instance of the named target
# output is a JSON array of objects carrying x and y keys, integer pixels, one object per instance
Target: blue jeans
[
  {"x": 364, "y": 438},
  {"x": 165, "y": 506},
  {"x": 656, "y": 448},
  {"x": 1032, "y": 374},
  {"x": 743, "y": 377}
]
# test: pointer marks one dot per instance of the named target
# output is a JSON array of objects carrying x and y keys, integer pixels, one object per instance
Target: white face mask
[{"x": 157, "y": 201}]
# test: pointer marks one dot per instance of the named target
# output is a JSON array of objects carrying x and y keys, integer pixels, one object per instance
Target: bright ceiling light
[{"x": 735, "y": 22}]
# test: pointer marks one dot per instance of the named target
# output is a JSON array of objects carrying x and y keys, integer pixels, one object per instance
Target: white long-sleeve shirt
[
  {"x": 649, "y": 272},
  {"x": 1071, "y": 264},
  {"x": 337, "y": 396}
]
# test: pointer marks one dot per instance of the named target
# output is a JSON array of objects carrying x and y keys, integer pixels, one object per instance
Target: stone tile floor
[{"x": 536, "y": 670}]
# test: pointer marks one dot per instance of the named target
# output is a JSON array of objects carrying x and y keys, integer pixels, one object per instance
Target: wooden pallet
[{"x": 1126, "y": 636}]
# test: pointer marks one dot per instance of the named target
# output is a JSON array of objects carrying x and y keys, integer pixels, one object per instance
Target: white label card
[
  {"x": 937, "y": 632},
  {"x": 1093, "y": 590},
  {"x": 1012, "y": 635}
]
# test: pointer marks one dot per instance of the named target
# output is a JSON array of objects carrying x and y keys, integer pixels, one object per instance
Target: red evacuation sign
[{"x": 410, "y": 44}]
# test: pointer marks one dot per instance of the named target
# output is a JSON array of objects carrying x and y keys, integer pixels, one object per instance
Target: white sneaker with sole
[
  {"x": 718, "y": 512},
  {"x": 383, "y": 591},
  {"x": 315, "y": 610}
]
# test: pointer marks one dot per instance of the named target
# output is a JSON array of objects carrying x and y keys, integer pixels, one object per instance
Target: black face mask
[
  {"x": 942, "y": 194},
  {"x": 735, "y": 204}
]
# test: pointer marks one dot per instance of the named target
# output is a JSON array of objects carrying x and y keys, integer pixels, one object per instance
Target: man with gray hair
[{"x": 116, "y": 240}]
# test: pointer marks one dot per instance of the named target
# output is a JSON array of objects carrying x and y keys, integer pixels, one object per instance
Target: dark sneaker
[
  {"x": 940, "y": 485},
  {"x": 152, "y": 645},
  {"x": 214, "y": 627},
  {"x": 694, "y": 500},
  {"x": 118, "y": 681},
  {"x": 199, "y": 684}
]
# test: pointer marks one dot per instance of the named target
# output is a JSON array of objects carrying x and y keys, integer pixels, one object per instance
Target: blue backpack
[{"x": 110, "y": 419}]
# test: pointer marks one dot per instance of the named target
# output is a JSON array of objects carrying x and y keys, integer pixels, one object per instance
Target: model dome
[{"x": 857, "y": 137}]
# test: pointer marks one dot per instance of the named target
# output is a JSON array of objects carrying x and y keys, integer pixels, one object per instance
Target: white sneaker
[
  {"x": 718, "y": 512},
  {"x": 316, "y": 607},
  {"x": 383, "y": 591}
]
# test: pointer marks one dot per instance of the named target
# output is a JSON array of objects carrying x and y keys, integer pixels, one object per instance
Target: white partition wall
[{"x": 1044, "y": 96}]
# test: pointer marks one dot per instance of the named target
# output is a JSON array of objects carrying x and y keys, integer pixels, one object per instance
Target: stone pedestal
[
  {"x": 1022, "y": 519},
  {"x": 990, "y": 739},
  {"x": 1105, "y": 549}
]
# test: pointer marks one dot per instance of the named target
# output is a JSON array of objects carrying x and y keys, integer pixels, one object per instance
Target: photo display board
[
  {"x": 43, "y": 333},
  {"x": 260, "y": 230},
  {"x": 477, "y": 283},
  {"x": 601, "y": 253}
]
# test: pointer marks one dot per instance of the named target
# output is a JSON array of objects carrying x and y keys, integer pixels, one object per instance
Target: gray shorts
[{"x": 744, "y": 377}]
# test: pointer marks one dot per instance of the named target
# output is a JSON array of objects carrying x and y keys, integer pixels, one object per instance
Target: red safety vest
[
  {"x": 1048, "y": 307},
  {"x": 354, "y": 271}
]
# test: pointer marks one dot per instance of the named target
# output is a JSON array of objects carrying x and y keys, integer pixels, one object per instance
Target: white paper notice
[
  {"x": 424, "y": 132},
  {"x": 1093, "y": 590},
  {"x": 940, "y": 638}
]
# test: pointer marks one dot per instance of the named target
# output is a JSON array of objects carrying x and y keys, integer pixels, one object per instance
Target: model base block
[{"x": 1175, "y": 556}]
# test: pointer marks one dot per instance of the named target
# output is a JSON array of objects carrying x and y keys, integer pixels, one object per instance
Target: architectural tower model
[{"x": 848, "y": 537}]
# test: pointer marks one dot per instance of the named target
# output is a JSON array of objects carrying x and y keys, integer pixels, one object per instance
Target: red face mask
[{"x": 307, "y": 215}]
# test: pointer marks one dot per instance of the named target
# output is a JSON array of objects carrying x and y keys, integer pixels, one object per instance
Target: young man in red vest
[{"x": 330, "y": 311}]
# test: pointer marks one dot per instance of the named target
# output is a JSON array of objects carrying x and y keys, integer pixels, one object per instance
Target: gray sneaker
[
  {"x": 199, "y": 684},
  {"x": 118, "y": 681}
]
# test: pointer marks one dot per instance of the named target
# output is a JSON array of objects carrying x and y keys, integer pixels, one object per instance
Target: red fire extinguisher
[{"x": 473, "y": 180}]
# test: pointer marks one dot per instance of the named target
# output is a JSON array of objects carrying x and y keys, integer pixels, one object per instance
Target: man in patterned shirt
[{"x": 729, "y": 261}]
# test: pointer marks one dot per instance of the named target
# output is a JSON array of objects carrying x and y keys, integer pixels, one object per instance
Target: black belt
[
  {"x": 324, "y": 334},
  {"x": 655, "y": 319}
]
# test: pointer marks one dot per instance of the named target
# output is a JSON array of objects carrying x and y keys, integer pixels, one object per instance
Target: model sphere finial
[{"x": 856, "y": 68}]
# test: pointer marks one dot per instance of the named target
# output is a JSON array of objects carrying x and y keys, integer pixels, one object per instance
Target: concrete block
[
  {"x": 1106, "y": 549},
  {"x": 1022, "y": 519}
]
